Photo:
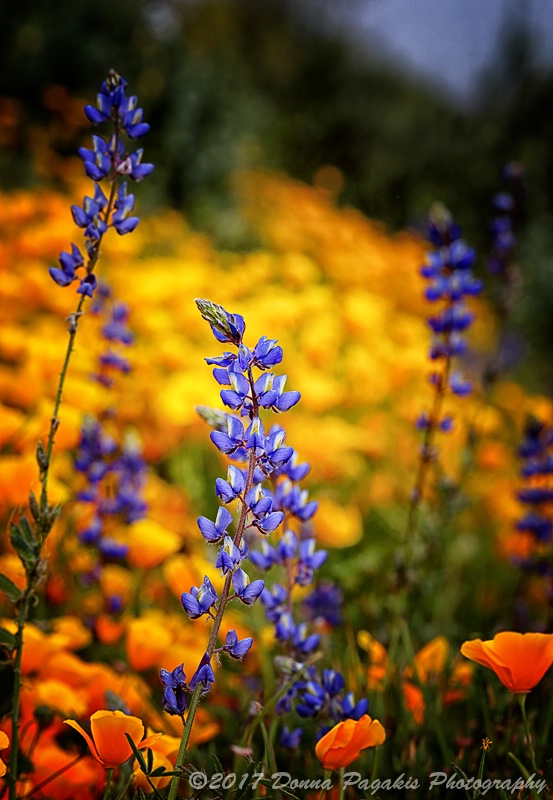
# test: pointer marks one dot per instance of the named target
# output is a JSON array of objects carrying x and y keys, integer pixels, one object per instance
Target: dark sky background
[{"x": 447, "y": 42}]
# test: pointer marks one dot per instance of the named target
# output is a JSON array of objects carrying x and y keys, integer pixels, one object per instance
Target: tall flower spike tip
[{"x": 109, "y": 160}]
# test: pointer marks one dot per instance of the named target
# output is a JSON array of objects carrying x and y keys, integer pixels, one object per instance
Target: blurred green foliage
[{"x": 234, "y": 84}]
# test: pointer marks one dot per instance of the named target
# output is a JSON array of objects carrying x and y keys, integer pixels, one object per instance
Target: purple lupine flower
[
  {"x": 116, "y": 328},
  {"x": 264, "y": 559},
  {"x": 214, "y": 531},
  {"x": 246, "y": 591},
  {"x": 302, "y": 641},
  {"x": 89, "y": 215},
  {"x": 353, "y": 710},
  {"x": 235, "y": 397},
  {"x": 325, "y": 604},
  {"x": 234, "y": 438},
  {"x": 276, "y": 453},
  {"x": 97, "y": 162},
  {"x": 200, "y": 600},
  {"x": 287, "y": 548},
  {"x": 267, "y": 353},
  {"x": 174, "y": 699},
  {"x": 234, "y": 486},
  {"x": 275, "y": 602},
  {"x": 204, "y": 676},
  {"x": 121, "y": 219},
  {"x": 112, "y": 549},
  {"x": 290, "y": 497},
  {"x": 258, "y": 501},
  {"x": 309, "y": 560},
  {"x": 255, "y": 436},
  {"x": 69, "y": 262},
  {"x": 230, "y": 556},
  {"x": 332, "y": 682},
  {"x": 235, "y": 647},
  {"x": 313, "y": 698},
  {"x": 291, "y": 739}
]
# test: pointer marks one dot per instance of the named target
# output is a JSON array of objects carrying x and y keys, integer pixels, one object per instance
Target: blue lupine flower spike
[
  {"x": 448, "y": 270},
  {"x": 107, "y": 160}
]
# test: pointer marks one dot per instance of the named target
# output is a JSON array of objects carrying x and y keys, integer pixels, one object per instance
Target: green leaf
[
  {"x": 160, "y": 771},
  {"x": 7, "y": 639},
  {"x": 23, "y": 540},
  {"x": 137, "y": 753},
  {"x": 150, "y": 755},
  {"x": 218, "y": 767},
  {"x": 34, "y": 506},
  {"x": 9, "y": 588}
]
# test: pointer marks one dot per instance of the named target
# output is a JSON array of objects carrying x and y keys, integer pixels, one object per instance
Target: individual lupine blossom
[
  {"x": 108, "y": 160},
  {"x": 256, "y": 456},
  {"x": 536, "y": 453}
]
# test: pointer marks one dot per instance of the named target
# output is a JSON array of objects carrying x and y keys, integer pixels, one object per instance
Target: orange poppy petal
[
  {"x": 529, "y": 656},
  {"x": 90, "y": 743},
  {"x": 149, "y": 741},
  {"x": 480, "y": 651}
]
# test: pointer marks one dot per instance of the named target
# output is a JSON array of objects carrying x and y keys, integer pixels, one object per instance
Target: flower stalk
[{"x": 108, "y": 161}]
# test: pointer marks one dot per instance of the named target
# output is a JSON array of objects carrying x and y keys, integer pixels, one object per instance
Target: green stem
[
  {"x": 341, "y": 787},
  {"x": 109, "y": 775},
  {"x": 327, "y": 775},
  {"x": 522, "y": 704},
  {"x": 25, "y": 603},
  {"x": 54, "y": 421},
  {"x": 426, "y": 451},
  {"x": 374, "y": 771},
  {"x": 482, "y": 762}
]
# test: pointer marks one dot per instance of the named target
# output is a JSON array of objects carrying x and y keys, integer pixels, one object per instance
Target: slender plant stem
[
  {"x": 23, "y": 611},
  {"x": 341, "y": 783},
  {"x": 427, "y": 451},
  {"x": 109, "y": 775},
  {"x": 54, "y": 421},
  {"x": 522, "y": 703}
]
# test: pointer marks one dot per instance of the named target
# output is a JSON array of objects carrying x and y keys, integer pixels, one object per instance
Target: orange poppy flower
[
  {"x": 520, "y": 660},
  {"x": 108, "y": 743},
  {"x": 342, "y": 745}
]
